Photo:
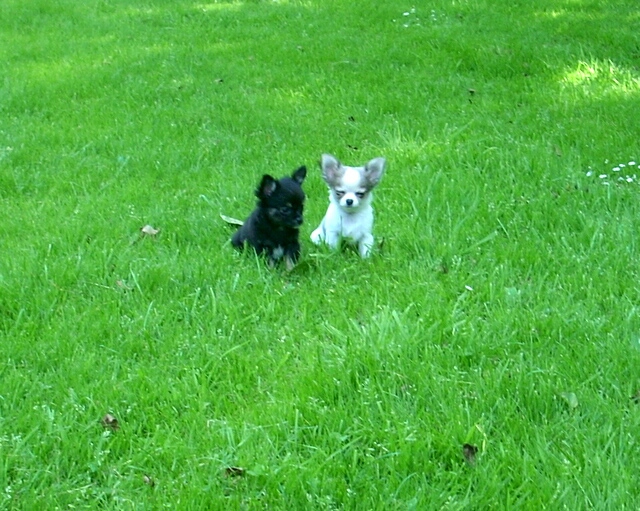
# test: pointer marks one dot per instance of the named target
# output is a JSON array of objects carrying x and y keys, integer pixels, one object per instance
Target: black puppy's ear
[
  {"x": 267, "y": 186},
  {"x": 299, "y": 175}
]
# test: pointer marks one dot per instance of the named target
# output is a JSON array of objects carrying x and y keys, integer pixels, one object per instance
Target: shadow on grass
[
  {"x": 187, "y": 46},
  {"x": 246, "y": 83}
]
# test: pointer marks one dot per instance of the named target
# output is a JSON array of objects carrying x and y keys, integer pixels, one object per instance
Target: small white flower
[
  {"x": 468, "y": 288},
  {"x": 589, "y": 174},
  {"x": 406, "y": 13},
  {"x": 629, "y": 179},
  {"x": 605, "y": 183},
  {"x": 620, "y": 178},
  {"x": 631, "y": 163},
  {"x": 616, "y": 169},
  {"x": 603, "y": 176},
  {"x": 622, "y": 165}
]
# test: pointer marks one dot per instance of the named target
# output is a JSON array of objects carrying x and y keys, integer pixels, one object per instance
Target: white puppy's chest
[
  {"x": 350, "y": 225},
  {"x": 354, "y": 226}
]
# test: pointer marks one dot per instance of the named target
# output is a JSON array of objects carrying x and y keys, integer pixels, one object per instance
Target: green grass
[{"x": 501, "y": 311}]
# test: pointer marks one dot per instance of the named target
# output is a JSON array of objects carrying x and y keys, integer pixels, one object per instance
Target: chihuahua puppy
[
  {"x": 350, "y": 215},
  {"x": 273, "y": 226}
]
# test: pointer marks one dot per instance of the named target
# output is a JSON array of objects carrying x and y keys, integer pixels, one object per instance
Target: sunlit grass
[{"x": 605, "y": 78}]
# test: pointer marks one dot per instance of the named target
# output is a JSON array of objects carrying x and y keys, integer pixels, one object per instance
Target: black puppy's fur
[{"x": 273, "y": 227}]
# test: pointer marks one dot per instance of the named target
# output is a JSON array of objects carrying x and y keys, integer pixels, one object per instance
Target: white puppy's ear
[
  {"x": 331, "y": 169},
  {"x": 374, "y": 171}
]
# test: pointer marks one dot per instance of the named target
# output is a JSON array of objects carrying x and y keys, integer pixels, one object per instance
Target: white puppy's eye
[
  {"x": 360, "y": 195},
  {"x": 339, "y": 193}
]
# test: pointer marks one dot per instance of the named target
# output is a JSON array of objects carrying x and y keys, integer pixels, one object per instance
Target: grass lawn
[{"x": 500, "y": 310}]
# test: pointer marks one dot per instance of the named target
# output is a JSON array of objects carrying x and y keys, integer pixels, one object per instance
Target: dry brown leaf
[
  {"x": 469, "y": 452},
  {"x": 570, "y": 399},
  {"x": 123, "y": 286},
  {"x": 110, "y": 422},
  {"x": 231, "y": 220},
  {"x": 149, "y": 230},
  {"x": 234, "y": 471}
]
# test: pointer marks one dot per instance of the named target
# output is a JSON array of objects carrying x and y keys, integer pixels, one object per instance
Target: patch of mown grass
[{"x": 499, "y": 311}]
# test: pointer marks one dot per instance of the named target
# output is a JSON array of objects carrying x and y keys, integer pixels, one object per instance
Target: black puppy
[{"x": 272, "y": 228}]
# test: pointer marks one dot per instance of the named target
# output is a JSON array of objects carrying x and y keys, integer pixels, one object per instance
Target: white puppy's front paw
[
  {"x": 317, "y": 236},
  {"x": 332, "y": 239},
  {"x": 364, "y": 246}
]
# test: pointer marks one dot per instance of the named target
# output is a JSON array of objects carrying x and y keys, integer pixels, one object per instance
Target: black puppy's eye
[{"x": 360, "y": 195}]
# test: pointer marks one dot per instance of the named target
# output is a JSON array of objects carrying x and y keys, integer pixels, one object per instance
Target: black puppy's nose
[{"x": 349, "y": 202}]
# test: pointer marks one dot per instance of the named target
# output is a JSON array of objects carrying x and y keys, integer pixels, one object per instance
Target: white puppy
[{"x": 350, "y": 215}]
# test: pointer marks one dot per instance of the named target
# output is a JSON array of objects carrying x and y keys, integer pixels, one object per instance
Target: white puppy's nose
[{"x": 349, "y": 202}]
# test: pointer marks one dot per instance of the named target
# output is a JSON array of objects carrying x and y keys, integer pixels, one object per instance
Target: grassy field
[{"x": 501, "y": 309}]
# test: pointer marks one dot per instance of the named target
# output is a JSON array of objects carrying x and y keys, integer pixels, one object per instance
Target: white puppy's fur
[{"x": 350, "y": 215}]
